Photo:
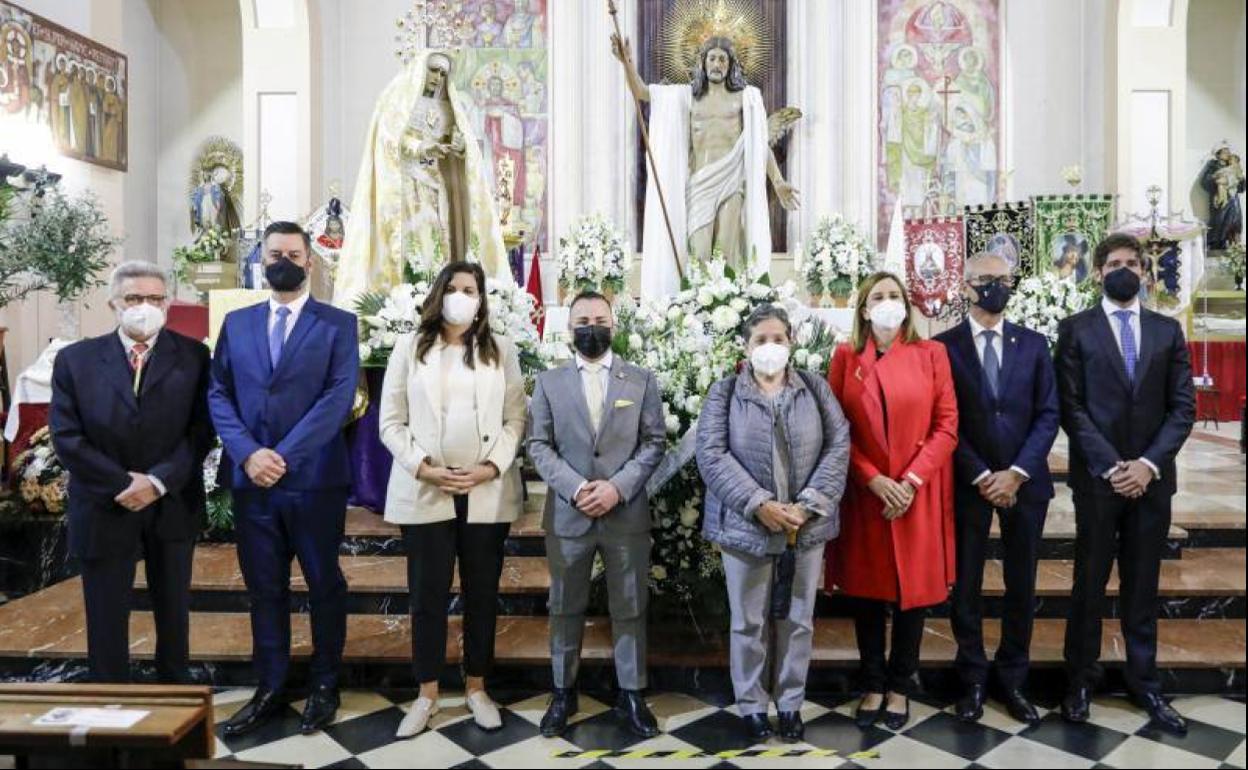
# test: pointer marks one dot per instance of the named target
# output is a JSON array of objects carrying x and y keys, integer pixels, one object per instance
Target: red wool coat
[{"x": 909, "y": 560}]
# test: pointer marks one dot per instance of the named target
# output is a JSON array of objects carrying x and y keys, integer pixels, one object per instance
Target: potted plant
[{"x": 62, "y": 246}]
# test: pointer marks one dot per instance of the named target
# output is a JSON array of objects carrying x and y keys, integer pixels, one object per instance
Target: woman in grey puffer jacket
[{"x": 773, "y": 449}]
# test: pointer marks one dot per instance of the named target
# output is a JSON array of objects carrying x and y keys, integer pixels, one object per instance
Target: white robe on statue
[{"x": 670, "y": 111}]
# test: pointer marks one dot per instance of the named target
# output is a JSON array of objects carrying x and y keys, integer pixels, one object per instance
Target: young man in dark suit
[
  {"x": 283, "y": 382},
  {"x": 1128, "y": 404},
  {"x": 129, "y": 421},
  {"x": 1007, "y": 422}
]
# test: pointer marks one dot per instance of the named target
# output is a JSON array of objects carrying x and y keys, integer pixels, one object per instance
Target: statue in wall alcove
[
  {"x": 711, "y": 141},
  {"x": 422, "y": 196},
  {"x": 1223, "y": 179},
  {"x": 216, "y": 183}
]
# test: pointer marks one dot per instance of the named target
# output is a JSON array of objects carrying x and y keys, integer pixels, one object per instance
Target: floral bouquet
[
  {"x": 837, "y": 258},
  {"x": 210, "y": 246},
  {"x": 1040, "y": 302},
  {"x": 594, "y": 256},
  {"x": 42, "y": 482},
  {"x": 690, "y": 341}
]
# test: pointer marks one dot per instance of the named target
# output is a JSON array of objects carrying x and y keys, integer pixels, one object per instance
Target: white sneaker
[
  {"x": 417, "y": 718},
  {"x": 484, "y": 711}
]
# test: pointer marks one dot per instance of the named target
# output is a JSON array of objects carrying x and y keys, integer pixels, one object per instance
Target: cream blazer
[{"x": 411, "y": 428}]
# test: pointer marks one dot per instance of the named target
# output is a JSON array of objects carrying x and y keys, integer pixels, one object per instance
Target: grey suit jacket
[{"x": 627, "y": 449}]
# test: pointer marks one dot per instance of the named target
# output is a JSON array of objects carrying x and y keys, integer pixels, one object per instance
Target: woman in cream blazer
[{"x": 453, "y": 415}]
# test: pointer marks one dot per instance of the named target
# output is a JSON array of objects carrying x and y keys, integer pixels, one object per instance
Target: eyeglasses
[
  {"x": 984, "y": 280},
  {"x": 133, "y": 300}
]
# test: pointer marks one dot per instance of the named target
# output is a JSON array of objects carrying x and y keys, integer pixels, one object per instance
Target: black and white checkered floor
[{"x": 363, "y": 736}]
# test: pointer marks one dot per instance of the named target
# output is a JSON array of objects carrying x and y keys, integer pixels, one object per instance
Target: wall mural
[
  {"x": 74, "y": 86},
  {"x": 504, "y": 76},
  {"x": 938, "y": 107}
]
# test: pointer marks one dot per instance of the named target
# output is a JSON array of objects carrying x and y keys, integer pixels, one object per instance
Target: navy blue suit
[
  {"x": 1110, "y": 418},
  {"x": 298, "y": 410},
  {"x": 1017, "y": 427},
  {"x": 102, "y": 432}
]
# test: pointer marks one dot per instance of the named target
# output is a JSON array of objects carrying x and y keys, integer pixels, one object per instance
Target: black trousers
[
  {"x": 432, "y": 550},
  {"x": 895, "y": 671},
  {"x": 1021, "y": 530},
  {"x": 108, "y": 590},
  {"x": 1134, "y": 531}
]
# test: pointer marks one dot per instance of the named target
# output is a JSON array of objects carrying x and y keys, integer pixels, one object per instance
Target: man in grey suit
[{"x": 596, "y": 452}]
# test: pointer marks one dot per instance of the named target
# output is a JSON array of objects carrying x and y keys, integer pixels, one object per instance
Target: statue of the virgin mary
[{"x": 422, "y": 197}]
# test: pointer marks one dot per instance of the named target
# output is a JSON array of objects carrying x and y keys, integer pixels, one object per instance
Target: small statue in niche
[{"x": 1223, "y": 179}]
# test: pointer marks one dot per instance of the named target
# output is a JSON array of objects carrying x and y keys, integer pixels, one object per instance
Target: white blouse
[{"x": 461, "y": 439}]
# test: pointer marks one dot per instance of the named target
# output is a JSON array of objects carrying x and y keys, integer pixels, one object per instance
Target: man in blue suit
[
  {"x": 283, "y": 382},
  {"x": 1007, "y": 422}
]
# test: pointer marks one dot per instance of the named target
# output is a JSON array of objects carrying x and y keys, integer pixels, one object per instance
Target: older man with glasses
[{"x": 129, "y": 420}]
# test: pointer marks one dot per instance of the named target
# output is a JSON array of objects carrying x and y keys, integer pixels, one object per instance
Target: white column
[
  {"x": 816, "y": 86},
  {"x": 592, "y": 124},
  {"x": 860, "y": 122}
]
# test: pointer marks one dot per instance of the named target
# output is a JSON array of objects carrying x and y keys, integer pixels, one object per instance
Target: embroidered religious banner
[
  {"x": 934, "y": 255},
  {"x": 1068, "y": 227},
  {"x": 71, "y": 87},
  {"x": 1005, "y": 229},
  {"x": 938, "y": 114}
]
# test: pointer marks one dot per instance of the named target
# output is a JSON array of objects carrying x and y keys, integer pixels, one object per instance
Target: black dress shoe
[
  {"x": 318, "y": 712},
  {"x": 864, "y": 718},
  {"x": 758, "y": 727},
  {"x": 970, "y": 707},
  {"x": 632, "y": 709},
  {"x": 1019, "y": 707},
  {"x": 1077, "y": 705},
  {"x": 563, "y": 706},
  {"x": 896, "y": 721},
  {"x": 262, "y": 707},
  {"x": 791, "y": 728},
  {"x": 1163, "y": 715}
]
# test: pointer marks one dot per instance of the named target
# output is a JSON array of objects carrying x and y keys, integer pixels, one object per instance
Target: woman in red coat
[{"x": 896, "y": 545}]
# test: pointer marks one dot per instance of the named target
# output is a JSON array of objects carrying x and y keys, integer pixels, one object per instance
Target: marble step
[
  {"x": 49, "y": 625},
  {"x": 1206, "y": 582}
]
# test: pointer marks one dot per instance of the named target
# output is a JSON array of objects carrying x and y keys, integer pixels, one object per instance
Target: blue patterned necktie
[
  {"x": 992, "y": 364},
  {"x": 1130, "y": 354},
  {"x": 277, "y": 337}
]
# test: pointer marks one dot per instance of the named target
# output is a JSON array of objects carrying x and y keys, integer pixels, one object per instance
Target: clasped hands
[
  {"x": 779, "y": 517},
  {"x": 1000, "y": 489},
  {"x": 456, "y": 481},
  {"x": 1131, "y": 478},
  {"x": 140, "y": 494},
  {"x": 597, "y": 498},
  {"x": 896, "y": 495}
]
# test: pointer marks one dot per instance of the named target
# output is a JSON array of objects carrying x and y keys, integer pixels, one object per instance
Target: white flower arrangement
[
  {"x": 594, "y": 256},
  {"x": 836, "y": 259},
  {"x": 1040, "y": 302}
]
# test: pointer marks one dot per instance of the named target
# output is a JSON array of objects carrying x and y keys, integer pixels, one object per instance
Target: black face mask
[
  {"x": 994, "y": 295},
  {"x": 1122, "y": 285},
  {"x": 592, "y": 341},
  {"x": 284, "y": 275}
]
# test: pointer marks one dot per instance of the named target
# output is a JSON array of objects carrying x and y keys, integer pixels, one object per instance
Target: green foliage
[{"x": 62, "y": 247}]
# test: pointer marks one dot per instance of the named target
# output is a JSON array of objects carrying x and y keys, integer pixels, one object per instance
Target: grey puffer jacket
[{"x": 735, "y": 434}]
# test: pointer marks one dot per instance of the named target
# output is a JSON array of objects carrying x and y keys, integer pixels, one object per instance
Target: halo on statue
[
  {"x": 690, "y": 23},
  {"x": 222, "y": 160}
]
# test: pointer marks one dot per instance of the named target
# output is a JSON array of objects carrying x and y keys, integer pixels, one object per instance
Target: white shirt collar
[
  {"x": 295, "y": 305},
  {"x": 1110, "y": 307},
  {"x": 978, "y": 329},
  {"x": 129, "y": 343},
  {"x": 605, "y": 361}
]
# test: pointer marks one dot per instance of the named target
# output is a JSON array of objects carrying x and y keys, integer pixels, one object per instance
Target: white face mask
[
  {"x": 142, "y": 320},
  {"x": 459, "y": 309},
  {"x": 770, "y": 359},
  {"x": 888, "y": 315}
]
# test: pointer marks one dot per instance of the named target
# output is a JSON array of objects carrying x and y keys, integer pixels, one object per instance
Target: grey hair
[
  {"x": 134, "y": 269},
  {"x": 766, "y": 312},
  {"x": 980, "y": 258}
]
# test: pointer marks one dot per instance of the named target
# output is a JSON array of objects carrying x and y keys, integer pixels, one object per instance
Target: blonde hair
[{"x": 862, "y": 327}]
